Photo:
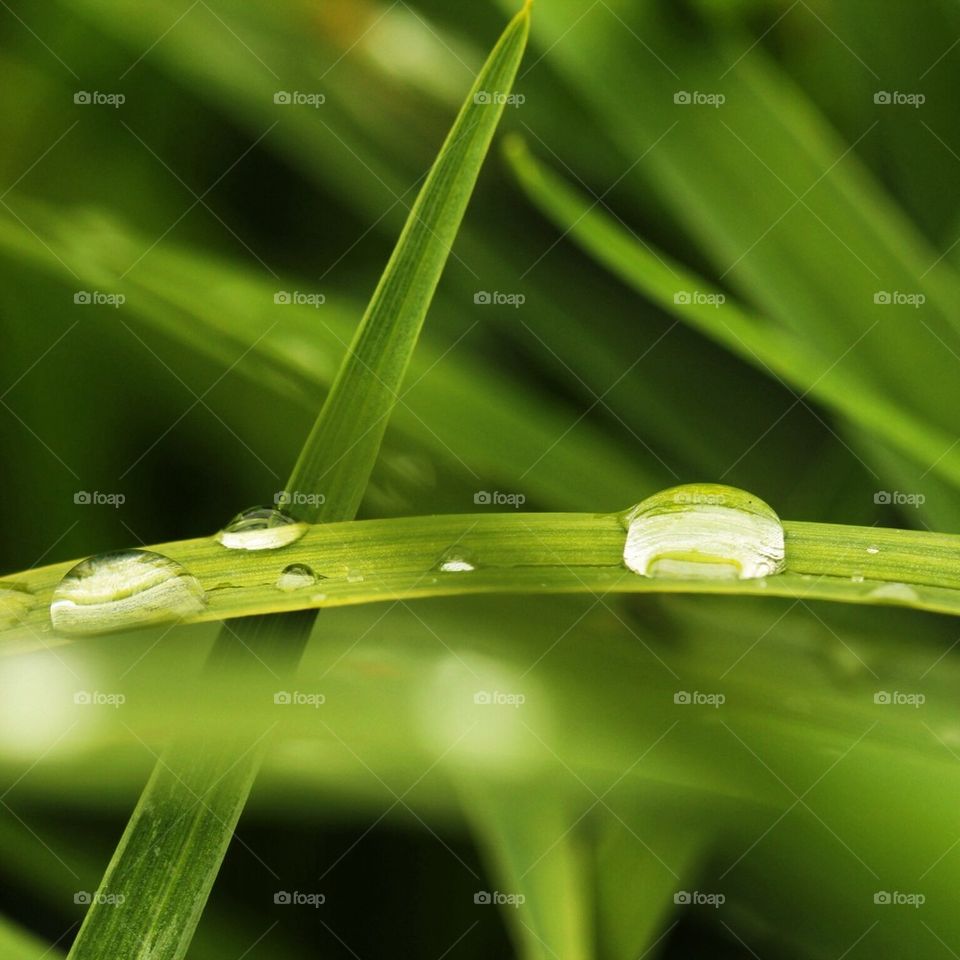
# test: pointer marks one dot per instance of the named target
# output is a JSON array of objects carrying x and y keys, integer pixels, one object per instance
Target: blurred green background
[{"x": 244, "y": 233}]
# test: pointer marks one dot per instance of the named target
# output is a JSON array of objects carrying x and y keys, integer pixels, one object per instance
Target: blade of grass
[
  {"x": 773, "y": 350},
  {"x": 172, "y": 849},
  {"x": 376, "y": 560},
  {"x": 536, "y": 857}
]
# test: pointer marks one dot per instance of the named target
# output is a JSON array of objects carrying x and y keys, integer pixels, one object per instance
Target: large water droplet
[
  {"x": 261, "y": 528},
  {"x": 129, "y": 588},
  {"x": 15, "y": 603},
  {"x": 704, "y": 531},
  {"x": 298, "y": 576}
]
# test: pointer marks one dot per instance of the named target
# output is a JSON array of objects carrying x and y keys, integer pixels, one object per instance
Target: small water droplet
[
  {"x": 895, "y": 593},
  {"x": 297, "y": 576},
  {"x": 457, "y": 560},
  {"x": 873, "y": 550},
  {"x": 15, "y": 603},
  {"x": 129, "y": 588},
  {"x": 704, "y": 531},
  {"x": 261, "y": 528},
  {"x": 354, "y": 576},
  {"x": 857, "y": 578}
]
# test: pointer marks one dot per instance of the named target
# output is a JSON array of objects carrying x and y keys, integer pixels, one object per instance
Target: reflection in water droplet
[
  {"x": 895, "y": 593},
  {"x": 457, "y": 560},
  {"x": 354, "y": 576},
  {"x": 261, "y": 528},
  {"x": 15, "y": 603},
  {"x": 298, "y": 576},
  {"x": 129, "y": 588},
  {"x": 704, "y": 531},
  {"x": 873, "y": 550}
]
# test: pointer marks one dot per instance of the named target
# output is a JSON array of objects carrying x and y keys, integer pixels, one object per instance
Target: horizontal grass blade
[{"x": 376, "y": 560}]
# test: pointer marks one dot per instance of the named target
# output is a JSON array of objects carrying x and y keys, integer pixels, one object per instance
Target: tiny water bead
[
  {"x": 457, "y": 560},
  {"x": 704, "y": 531},
  {"x": 298, "y": 576},
  {"x": 128, "y": 588},
  {"x": 261, "y": 528}
]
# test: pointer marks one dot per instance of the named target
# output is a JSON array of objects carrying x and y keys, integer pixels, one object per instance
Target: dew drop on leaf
[
  {"x": 297, "y": 576},
  {"x": 128, "y": 588},
  {"x": 704, "y": 531},
  {"x": 261, "y": 528}
]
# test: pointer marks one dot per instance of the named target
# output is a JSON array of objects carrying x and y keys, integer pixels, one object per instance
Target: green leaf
[
  {"x": 379, "y": 560},
  {"x": 172, "y": 849},
  {"x": 788, "y": 357},
  {"x": 538, "y": 860}
]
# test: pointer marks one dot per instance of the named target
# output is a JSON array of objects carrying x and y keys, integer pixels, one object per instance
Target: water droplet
[
  {"x": 701, "y": 531},
  {"x": 457, "y": 560},
  {"x": 873, "y": 550},
  {"x": 129, "y": 588},
  {"x": 857, "y": 578},
  {"x": 298, "y": 576},
  {"x": 354, "y": 576},
  {"x": 15, "y": 603},
  {"x": 895, "y": 593},
  {"x": 261, "y": 528}
]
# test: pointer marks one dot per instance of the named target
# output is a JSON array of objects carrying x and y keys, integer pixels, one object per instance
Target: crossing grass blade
[{"x": 170, "y": 854}]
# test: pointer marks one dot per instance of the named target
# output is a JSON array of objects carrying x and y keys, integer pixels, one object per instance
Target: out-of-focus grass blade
[
  {"x": 638, "y": 873},
  {"x": 18, "y": 944},
  {"x": 797, "y": 360},
  {"x": 172, "y": 849},
  {"x": 515, "y": 439},
  {"x": 783, "y": 209},
  {"x": 539, "y": 863}
]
